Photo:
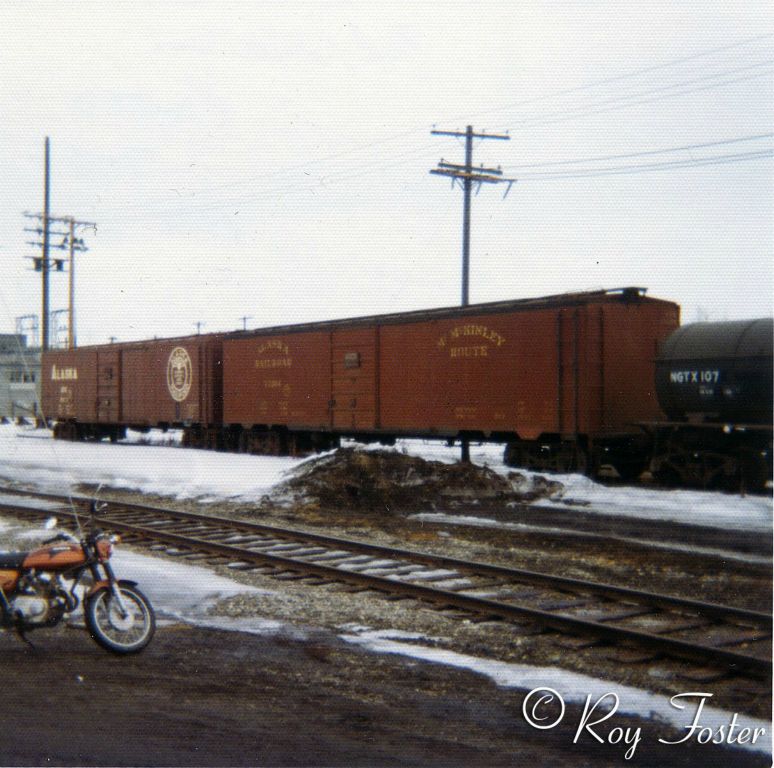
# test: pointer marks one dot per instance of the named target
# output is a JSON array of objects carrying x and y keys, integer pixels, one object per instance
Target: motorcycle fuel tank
[{"x": 58, "y": 558}]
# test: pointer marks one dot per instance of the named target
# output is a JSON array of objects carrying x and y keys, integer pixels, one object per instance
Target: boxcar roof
[{"x": 612, "y": 295}]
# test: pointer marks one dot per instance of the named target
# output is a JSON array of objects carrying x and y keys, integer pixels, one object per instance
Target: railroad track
[
  {"x": 641, "y": 625},
  {"x": 700, "y": 541}
]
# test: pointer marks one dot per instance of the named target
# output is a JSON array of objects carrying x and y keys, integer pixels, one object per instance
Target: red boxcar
[
  {"x": 562, "y": 380},
  {"x": 97, "y": 392}
]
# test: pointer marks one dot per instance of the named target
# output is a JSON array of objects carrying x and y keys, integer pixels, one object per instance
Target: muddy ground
[{"x": 203, "y": 697}]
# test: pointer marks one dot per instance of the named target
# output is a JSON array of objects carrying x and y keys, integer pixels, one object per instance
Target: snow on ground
[
  {"x": 571, "y": 686},
  {"x": 57, "y": 466},
  {"x": 31, "y": 456},
  {"x": 178, "y": 590},
  {"x": 694, "y": 507},
  {"x": 186, "y": 592}
]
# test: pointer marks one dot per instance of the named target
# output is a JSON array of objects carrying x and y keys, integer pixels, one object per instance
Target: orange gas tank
[{"x": 57, "y": 558}]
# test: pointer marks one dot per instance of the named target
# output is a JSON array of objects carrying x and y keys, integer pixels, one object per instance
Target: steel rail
[
  {"x": 562, "y": 623},
  {"x": 490, "y": 608},
  {"x": 709, "y": 610}
]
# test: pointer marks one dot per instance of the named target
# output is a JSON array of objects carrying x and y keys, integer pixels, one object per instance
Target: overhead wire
[
  {"x": 618, "y": 78},
  {"x": 585, "y": 173},
  {"x": 615, "y": 102},
  {"x": 683, "y": 148},
  {"x": 555, "y": 94},
  {"x": 411, "y": 155}
]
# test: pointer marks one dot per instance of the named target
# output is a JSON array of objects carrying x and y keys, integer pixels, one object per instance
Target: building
[{"x": 19, "y": 377}]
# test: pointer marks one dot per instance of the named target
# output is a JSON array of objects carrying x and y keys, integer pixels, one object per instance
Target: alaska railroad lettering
[
  {"x": 64, "y": 374},
  {"x": 274, "y": 345},
  {"x": 274, "y": 362}
]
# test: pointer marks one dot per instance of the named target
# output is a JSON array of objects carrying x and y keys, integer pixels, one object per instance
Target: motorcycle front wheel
[{"x": 118, "y": 631}]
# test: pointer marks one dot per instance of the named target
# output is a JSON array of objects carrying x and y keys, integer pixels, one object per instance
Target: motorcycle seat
[{"x": 12, "y": 559}]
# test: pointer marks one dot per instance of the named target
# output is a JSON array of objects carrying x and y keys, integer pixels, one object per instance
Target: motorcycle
[{"x": 33, "y": 593}]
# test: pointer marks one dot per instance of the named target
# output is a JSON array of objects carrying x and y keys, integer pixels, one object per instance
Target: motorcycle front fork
[{"x": 114, "y": 590}]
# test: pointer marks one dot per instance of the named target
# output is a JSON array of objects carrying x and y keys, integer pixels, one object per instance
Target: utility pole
[
  {"x": 73, "y": 245},
  {"x": 467, "y": 176},
  {"x": 244, "y": 320},
  {"x": 43, "y": 264},
  {"x": 199, "y": 325},
  {"x": 71, "y": 292}
]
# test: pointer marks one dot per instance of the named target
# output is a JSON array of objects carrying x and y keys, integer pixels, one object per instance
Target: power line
[
  {"x": 624, "y": 76},
  {"x": 683, "y": 148},
  {"x": 356, "y": 173},
  {"x": 585, "y": 173},
  {"x": 192, "y": 205},
  {"x": 292, "y": 189},
  {"x": 419, "y": 151},
  {"x": 588, "y": 109}
]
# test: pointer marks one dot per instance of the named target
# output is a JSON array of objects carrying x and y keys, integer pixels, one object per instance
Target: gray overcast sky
[{"x": 272, "y": 160}]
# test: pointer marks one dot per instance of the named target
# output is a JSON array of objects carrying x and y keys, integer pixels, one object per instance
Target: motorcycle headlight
[{"x": 104, "y": 549}]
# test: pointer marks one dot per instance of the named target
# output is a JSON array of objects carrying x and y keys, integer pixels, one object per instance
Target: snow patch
[
  {"x": 59, "y": 466},
  {"x": 572, "y": 686}
]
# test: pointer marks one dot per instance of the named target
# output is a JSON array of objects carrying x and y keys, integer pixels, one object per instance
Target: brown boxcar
[
  {"x": 97, "y": 392},
  {"x": 561, "y": 379}
]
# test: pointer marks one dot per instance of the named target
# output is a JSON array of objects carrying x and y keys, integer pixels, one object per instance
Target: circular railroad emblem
[{"x": 179, "y": 374}]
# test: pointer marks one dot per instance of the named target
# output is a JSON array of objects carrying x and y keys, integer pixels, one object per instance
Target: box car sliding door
[
  {"x": 354, "y": 380},
  {"x": 108, "y": 386}
]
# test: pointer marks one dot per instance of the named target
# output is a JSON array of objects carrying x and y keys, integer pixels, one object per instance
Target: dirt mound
[{"x": 388, "y": 480}]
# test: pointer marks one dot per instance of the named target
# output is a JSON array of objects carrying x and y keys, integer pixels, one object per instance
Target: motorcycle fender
[{"x": 105, "y": 584}]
